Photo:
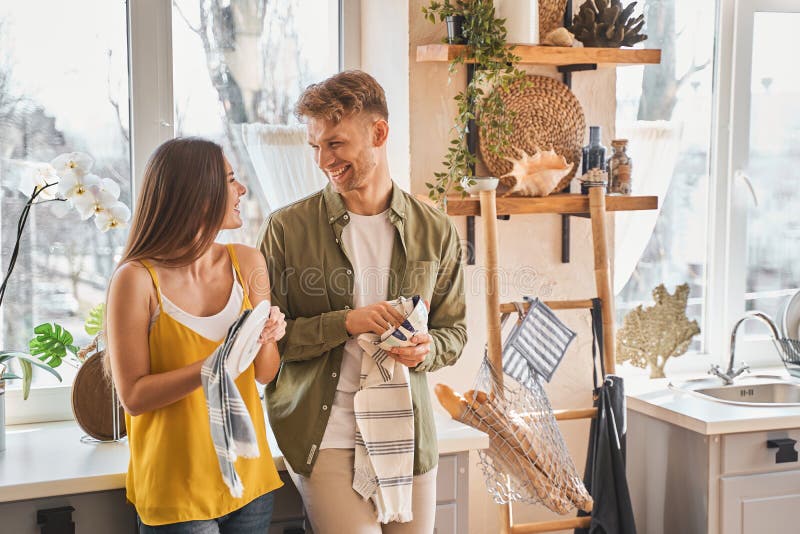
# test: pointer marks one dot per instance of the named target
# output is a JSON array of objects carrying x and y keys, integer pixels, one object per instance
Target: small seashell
[
  {"x": 559, "y": 37},
  {"x": 536, "y": 175}
]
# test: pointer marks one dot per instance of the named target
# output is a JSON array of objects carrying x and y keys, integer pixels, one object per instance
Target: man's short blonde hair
[{"x": 344, "y": 94}]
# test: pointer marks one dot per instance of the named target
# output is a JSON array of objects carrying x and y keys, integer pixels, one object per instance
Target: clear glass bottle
[
  {"x": 594, "y": 156},
  {"x": 620, "y": 167}
]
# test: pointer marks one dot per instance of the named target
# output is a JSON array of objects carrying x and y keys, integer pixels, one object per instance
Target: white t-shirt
[{"x": 368, "y": 241}]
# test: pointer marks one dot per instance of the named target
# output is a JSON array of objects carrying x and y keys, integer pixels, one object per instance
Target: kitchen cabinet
[
  {"x": 106, "y": 512},
  {"x": 686, "y": 481}
]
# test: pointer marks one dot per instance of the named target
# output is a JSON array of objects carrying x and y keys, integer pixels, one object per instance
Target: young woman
[{"x": 170, "y": 303}]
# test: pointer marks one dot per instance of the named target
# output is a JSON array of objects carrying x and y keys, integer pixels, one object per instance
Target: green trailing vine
[{"x": 485, "y": 37}]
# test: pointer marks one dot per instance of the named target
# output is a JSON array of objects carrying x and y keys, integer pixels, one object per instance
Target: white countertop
[
  {"x": 48, "y": 459},
  {"x": 656, "y": 399}
]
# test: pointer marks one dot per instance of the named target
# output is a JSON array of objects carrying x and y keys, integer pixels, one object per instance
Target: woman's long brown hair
[{"x": 181, "y": 203}]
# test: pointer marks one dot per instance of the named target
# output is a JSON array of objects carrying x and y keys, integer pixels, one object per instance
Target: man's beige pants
[{"x": 333, "y": 507}]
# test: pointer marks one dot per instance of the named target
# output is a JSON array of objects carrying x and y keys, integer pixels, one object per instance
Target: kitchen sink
[{"x": 758, "y": 390}]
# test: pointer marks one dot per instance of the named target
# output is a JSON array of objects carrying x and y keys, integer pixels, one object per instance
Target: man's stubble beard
[{"x": 361, "y": 167}]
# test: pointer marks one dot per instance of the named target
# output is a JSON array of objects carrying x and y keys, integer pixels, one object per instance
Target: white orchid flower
[
  {"x": 76, "y": 187},
  {"x": 100, "y": 197},
  {"x": 109, "y": 187},
  {"x": 61, "y": 209},
  {"x": 113, "y": 217},
  {"x": 76, "y": 163},
  {"x": 37, "y": 175},
  {"x": 81, "y": 192}
]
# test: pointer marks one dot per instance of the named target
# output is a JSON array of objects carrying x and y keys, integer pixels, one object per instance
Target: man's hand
[
  {"x": 376, "y": 318},
  {"x": 413, "y": 356}
]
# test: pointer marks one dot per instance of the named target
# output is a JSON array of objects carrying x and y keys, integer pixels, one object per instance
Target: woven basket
[
  {"x": 551, "y": 16},
  {"x": 548, "y": 115}
]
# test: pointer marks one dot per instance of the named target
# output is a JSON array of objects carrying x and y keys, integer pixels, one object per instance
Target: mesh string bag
[{"x": 527, "y": 459}]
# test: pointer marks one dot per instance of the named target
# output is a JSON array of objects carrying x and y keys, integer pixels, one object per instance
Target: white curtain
[
  {"x": 653, "y": 147},
  {"x": 282, "y": 160}
]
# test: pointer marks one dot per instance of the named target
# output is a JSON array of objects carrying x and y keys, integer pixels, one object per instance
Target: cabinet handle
[{"x": 786, "y": 452}]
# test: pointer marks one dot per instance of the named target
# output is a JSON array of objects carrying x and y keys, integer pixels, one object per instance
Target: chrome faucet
[{"x": 731, "y": 373}]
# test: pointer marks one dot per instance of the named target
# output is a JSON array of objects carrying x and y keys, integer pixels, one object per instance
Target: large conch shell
[{"x": 536, "y": 175}]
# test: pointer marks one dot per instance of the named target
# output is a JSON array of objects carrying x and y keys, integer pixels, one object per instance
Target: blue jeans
[{"x": 252, "y": 518}]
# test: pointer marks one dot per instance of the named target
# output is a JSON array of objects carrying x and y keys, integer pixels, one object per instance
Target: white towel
[
  {"x": 384, "y": 451},
  {"x": 232, "y": 429}
]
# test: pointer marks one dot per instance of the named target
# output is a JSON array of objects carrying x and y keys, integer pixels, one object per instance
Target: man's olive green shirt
[{"x": 312, "y": 283}]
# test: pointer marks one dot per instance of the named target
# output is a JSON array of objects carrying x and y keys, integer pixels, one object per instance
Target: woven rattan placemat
[{"x": 548, "y": 115}]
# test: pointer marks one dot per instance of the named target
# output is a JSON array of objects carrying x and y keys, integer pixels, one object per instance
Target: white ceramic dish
[
  {"x": 482, "y": 183},
  {"x": 246, "y": 345},
  {"x": 789, "y": 322}
]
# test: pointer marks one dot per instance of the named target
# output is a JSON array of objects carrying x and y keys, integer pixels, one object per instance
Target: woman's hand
[{"x": 275, "y": 327}]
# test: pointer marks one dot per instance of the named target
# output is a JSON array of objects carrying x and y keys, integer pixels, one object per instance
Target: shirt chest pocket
[{"x": 420, "y": 279}]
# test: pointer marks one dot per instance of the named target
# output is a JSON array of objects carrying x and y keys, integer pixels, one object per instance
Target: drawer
[
  {"x": 748, "y": 452},
  {"x": 447, "y": 479}
]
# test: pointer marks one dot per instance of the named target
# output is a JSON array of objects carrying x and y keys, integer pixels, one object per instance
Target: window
[
  {"x": 63, "y": 88},
  {"x": 237, "y": 65},
  {"x": 772, "y": 269},
  {"x": 667, "y": 113},
  {"x": 726, "y": 224},
  {"x": 64, "y": 81}
]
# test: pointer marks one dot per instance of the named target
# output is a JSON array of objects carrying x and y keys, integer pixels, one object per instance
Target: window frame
[{"x": 151, "y": 114}]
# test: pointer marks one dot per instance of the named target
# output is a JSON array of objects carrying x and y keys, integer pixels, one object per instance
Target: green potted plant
[
  {"x": 452, "y": 14},
  {"x": 50, "y": 346},
  {"x": 67, "y": 182},
  {"x": 485, "y": 37},
  {"x": 26, "y": 364}
]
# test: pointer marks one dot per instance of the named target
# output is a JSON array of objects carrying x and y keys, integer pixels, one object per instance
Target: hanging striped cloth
[{"x": 537, "y": 344}]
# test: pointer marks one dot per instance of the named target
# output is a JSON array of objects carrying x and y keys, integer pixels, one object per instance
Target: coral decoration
[
  {"x": 606, "y": 24},
  {"x": 650, "y": 336}
]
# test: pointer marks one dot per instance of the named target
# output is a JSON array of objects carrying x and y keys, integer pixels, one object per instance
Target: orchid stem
[{"x": 23, "y": 219}]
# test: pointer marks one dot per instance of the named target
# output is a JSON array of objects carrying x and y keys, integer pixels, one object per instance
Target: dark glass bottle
[
  {"x": 594, "y": 157},
  {"x": 594, "y": 154}
]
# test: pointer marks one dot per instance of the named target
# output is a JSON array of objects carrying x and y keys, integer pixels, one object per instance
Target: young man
[{"x": 335, "y": 258}]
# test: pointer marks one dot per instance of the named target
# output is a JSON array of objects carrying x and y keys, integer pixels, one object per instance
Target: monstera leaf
[
  {"x": 94, "y": 323},
  {"x": 51, "y": 343}
]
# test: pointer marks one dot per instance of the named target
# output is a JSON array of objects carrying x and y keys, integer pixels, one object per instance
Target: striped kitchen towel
[
  {"x": 537, "y": 344},
  {"x": 384, "y": 452},
  {"x": 232, "y": 429}
]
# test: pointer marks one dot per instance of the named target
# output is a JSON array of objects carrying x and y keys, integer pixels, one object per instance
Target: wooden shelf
[
  {"x": 552, "y": 55},
  {"x": 564, "y": 203}
]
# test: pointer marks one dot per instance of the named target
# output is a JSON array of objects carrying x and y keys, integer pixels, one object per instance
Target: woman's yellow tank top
[{"x": 173, "y": 474}]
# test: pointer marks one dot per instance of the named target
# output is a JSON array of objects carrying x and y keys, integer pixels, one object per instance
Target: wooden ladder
[{"x": 602, "y": 274}]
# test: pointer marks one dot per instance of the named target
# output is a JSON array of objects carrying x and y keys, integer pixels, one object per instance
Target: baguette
[{"x": 510, "y": 437}]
